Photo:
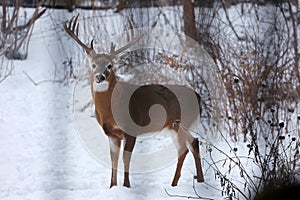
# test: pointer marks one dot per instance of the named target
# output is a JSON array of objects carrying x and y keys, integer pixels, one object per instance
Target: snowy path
[{"x": 42, "y": 156}]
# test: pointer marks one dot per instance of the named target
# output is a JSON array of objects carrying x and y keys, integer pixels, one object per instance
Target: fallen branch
[
  {"x": 187, "y": 197},
  {"x": 40, "y": 82}
]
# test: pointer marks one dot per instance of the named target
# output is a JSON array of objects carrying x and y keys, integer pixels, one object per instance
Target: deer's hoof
[
  {"x": 174, "y": 184},
  {"x": 199, "y": 179},
  {"x": 126, "y": 184},
  {"x": 112, "y": 185}
]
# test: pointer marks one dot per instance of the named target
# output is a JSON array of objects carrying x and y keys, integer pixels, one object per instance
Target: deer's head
[{"x": 101, "y": 63}]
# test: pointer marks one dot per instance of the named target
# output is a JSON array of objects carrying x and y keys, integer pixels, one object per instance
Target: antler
[
  {"x": 72, "y": 30},
  {"x": 113, "y": 52}
]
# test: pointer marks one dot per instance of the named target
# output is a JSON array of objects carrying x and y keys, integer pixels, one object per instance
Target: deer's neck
[{"x": 102, "y": 99}]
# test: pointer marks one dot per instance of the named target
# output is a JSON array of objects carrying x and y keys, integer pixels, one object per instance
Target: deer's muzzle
[{"x": 99, "y": 78}]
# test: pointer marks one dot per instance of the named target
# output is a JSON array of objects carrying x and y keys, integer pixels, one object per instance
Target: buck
[{"x": 141, "y": 100}]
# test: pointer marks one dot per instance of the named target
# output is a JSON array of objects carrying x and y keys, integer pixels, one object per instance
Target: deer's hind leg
[
  {"x": 185, "y": 143},
  {"x": 182, "y": 151},
  {"x": 196, "y": 154}
]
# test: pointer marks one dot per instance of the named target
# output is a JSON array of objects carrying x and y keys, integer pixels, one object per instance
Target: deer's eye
[{"x": 93, "y": 66}]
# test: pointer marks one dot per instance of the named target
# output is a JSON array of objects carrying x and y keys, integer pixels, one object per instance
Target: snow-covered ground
[
  {"x": 42, "y": 153},
  {"x": 42, "y": 156}
]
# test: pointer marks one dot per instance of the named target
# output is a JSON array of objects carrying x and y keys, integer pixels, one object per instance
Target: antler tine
[
  {"x": 75, "y": 23},
  {"x": 72, "y": 29},
  {"x": 114, "y": 52},
  {"x": 112, "y": 48},
  {"x": 92, "y": 44}
]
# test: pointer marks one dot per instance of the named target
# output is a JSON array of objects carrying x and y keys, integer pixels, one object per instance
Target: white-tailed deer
[{"x": 141, "y": 101}]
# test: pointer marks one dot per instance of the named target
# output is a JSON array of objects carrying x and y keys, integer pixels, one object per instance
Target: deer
[{"x": 141, "y": 100}]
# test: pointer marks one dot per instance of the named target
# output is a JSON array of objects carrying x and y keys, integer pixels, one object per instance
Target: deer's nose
[{"x": 99, "y": 78}]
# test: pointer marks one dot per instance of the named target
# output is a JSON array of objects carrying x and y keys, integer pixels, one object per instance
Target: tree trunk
[
  {"x": 70, "y": 5},
  {"x": 189, "y": 19}
]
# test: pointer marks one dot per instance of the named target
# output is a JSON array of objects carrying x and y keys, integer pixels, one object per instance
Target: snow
[
  {"x": 43, "y": 152},
  {"x": 42, "y": 155}
]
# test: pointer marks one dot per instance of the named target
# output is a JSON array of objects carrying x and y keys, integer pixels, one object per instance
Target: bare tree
[
  {"x": 189, "y": 19},
  {"x": 16, "y": 31}
]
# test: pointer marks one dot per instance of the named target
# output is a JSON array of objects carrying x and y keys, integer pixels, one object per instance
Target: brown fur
[{"x": 141, "y": 101}]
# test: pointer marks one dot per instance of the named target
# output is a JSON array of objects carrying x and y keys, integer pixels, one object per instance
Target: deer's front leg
[
  {"x": 114, "y": 144},
  {"x": 128, "y": 147}
]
